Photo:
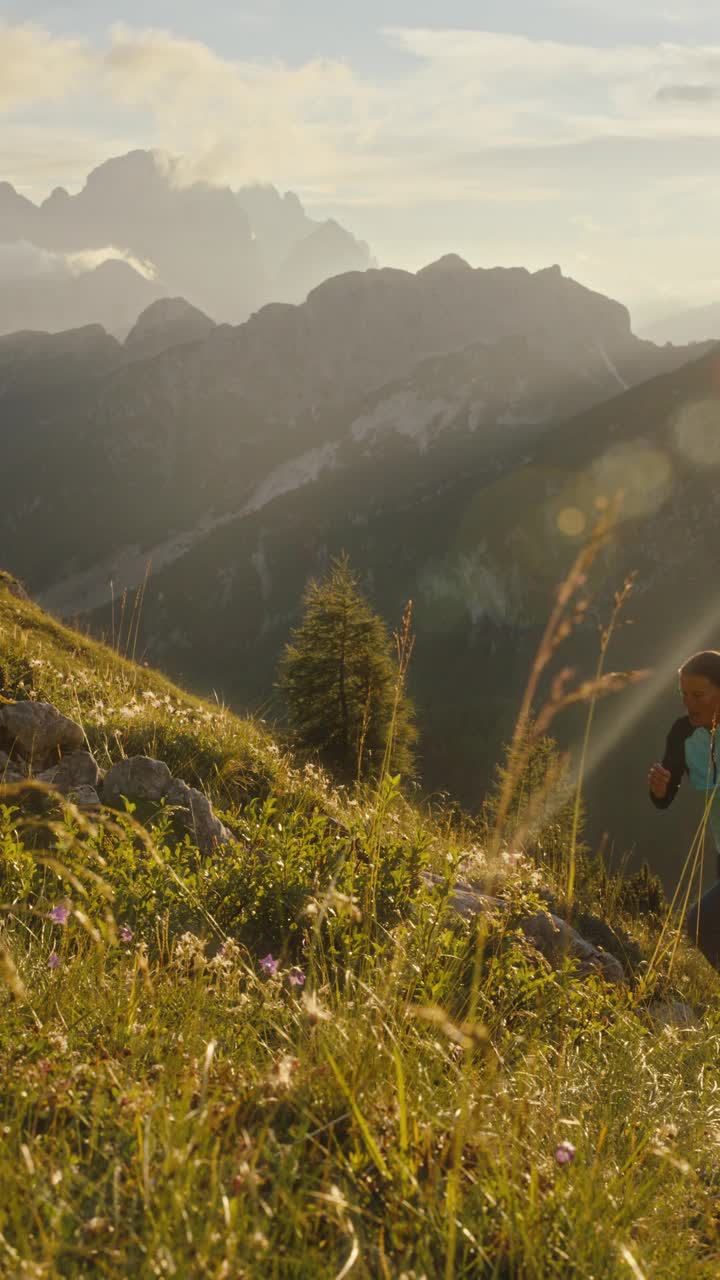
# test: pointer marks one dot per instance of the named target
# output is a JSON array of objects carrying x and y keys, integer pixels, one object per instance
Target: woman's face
[{"x": 702, "y": 700}]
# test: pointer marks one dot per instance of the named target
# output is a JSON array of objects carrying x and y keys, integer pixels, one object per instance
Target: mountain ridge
[{"x": 195, "y": 239}]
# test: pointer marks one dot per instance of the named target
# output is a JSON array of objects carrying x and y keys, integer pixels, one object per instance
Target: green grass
[{"x": 168, "y": 1108}]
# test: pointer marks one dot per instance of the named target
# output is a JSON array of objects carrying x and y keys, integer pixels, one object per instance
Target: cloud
[
  {"x": 323, "y": 128},
  {"x": 689, "y": 93},
  {"x": 21, "y": 261},
  {"x": 35, "y": 66},
  {"x": 493, "y": 140}
]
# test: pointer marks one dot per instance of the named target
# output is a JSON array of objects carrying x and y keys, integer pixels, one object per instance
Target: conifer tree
[{"x": 343, "y": 686}]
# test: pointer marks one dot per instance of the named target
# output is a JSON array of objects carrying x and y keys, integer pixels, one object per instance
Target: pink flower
[
  {"x": 565, "y": 1153},
  {"x": 54, "y": 961},
  {"x": 269, "y": 965},
  {"x": 125, "y": 933},
  {"x": 296, "y": 977},
  {"x": 59, "y": 915}
]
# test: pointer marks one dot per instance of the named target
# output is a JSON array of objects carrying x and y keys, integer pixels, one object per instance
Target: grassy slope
[{"x": 170, "y": 1109}]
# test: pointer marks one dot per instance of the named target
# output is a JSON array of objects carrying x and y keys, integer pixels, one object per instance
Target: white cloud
[
  {"x": 35, "y": 66},
  {"x": 321, "y": 126},
  {"x": 22, "y": 261},
  {"x": 494, "y": 141}
]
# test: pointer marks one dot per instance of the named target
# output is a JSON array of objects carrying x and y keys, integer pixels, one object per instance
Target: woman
[{"x": 690, "y": 749}]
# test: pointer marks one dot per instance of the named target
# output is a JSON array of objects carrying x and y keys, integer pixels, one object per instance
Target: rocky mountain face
[
  {"x": 168, "y": 445},
  {"x": 437, "y": 426},
  {"x": 226, "y": 252},
  {"x": 33, "y": 363},
  {"x": 169, "y": 322}
]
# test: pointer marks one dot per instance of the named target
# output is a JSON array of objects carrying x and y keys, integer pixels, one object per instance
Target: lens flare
[
  {"x": 638, "y": 471},
  {"x": 572, "y": 522},
  {"x": 697, "y": 433}
]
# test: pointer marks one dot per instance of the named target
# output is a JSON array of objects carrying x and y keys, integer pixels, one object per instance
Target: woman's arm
[{"x": 664, "y": 779}]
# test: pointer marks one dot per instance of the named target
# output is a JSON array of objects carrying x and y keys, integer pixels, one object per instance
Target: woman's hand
[{"x": 658, "y": 780}]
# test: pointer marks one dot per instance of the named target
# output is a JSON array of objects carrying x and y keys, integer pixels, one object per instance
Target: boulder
[
  {"x": 556, "y": 939},
  {"x": 673, "y": 1013},
  {"x": 38, "y": 731},
  {"x": 552, "y": 937},
  {"x": 79, "y": 769},
  {"x": 198, "y": 816},
  {"x": 11, "y": 770},
  {"x": 137, "y": 778},
  {"x": 85, "y": 797}
]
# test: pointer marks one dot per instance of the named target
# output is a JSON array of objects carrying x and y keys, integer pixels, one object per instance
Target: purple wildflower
[
  {"x": 296, "y": 977},
  {"x": 565, "y": 1153},
  {"x": 269, "y": 965},
  {"x": 54, "y": 961},
  {"x": 125, "y": 933},
  {"x": 59, "y": 915}
]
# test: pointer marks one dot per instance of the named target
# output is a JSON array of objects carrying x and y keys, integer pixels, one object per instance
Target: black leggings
[{"x": 707, "y": 933}]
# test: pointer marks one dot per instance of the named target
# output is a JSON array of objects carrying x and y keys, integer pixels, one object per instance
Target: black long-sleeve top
[{"x": 674, "y": 760}]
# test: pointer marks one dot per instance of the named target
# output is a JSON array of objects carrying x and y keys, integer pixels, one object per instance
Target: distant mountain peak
[
  {"x": 449, "y": 264},
  {"x": 228, "y": 252},
  {"x": 169, "y": 322}
]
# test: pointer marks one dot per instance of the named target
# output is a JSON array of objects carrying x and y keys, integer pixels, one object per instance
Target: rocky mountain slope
[
  {"x": 166, "y": 446},
  {"x": 226, "y": 252}
]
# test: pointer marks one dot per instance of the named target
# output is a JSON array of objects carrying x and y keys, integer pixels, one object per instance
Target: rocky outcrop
[
  {"x": 137, "y": 778},
  {"x": 198, "y": 815},
  {"x": 11, "y": 770},
  {"x": 140, "y": 778},
  {"x": 38, "y": 732},
  {"x": 39, "y": 744},
  {"x": 548, "y": 933},
  {"x": 79, "y": 769}
]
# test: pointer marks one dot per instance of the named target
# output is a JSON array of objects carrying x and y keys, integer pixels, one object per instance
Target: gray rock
[
  {"x": 137, "y": 778},
  {"x": 11, "y": 770},
  {"x": 673, "y": 1013},
  {"x": 548, "y": 933},
  {"x": 38, "y": 731},
  {"x": 554, "y": 938},
  {"x": 79, "y": 769},
  {"x": 12, "y": 762},
  {"x": 85, "y": 797},
  {"x": 198, "y": 816}
]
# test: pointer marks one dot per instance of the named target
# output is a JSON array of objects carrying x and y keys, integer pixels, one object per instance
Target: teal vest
[{"x": 703, "y": 774}]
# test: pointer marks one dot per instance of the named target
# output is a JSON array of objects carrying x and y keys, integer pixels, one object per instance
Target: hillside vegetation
[{"x": 292, "y": 1058}]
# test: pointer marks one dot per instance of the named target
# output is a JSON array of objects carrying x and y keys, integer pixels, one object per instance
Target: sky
[{"x": 528, "y": 132}]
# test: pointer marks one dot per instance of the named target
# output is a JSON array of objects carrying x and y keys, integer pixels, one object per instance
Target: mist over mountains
[
  {"x": 136, "y": 232},
  {"x": 695, "y": 325}
]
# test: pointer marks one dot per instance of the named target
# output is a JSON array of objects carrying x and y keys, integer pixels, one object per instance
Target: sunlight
[
  {"x": 637, "y": 700},
  {"x": 697, "y": 432}
]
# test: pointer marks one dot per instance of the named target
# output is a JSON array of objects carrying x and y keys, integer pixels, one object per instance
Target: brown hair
[{"x": 705, "y": 663}]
